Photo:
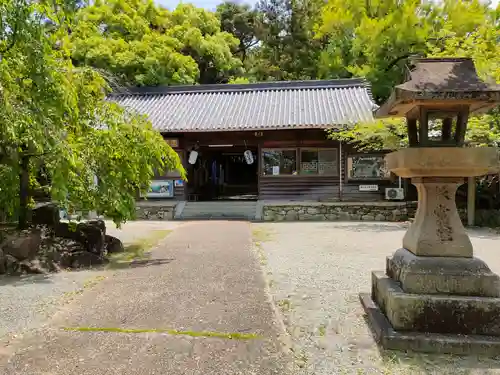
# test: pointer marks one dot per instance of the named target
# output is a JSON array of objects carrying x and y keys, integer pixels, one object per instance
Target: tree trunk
[{"x": 24, "y": 180}]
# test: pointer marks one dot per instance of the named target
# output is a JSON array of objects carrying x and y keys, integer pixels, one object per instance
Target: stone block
[
  {"x": 437, "y": 229},
  {"x": 433, "y": 161},
  {"x": 442, "y": 275},
  {"x": 390, "y": 339},
  {"x": 344, "y": 216},
  {"x": 367, "y": 218},
  {"x": 429, "y": 313}
]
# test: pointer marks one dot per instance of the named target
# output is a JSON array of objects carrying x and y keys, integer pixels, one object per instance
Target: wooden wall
[
  {"x": 315, "y": 188},
  {"x": 299, "y": 188}
]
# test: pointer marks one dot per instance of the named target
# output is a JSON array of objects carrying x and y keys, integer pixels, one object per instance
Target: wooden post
[
  {"x": 412, "y": 132},
  {"x": 471, "y": 201},
  {"x": 423, "y": 130},
  {"x": 340, "y": 170},
  {"x": 446, "y": 130},
  {"x": 462, "y": 118}
]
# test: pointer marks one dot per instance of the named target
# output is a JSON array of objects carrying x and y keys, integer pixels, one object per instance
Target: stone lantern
[{"x": 435, "y": 296}]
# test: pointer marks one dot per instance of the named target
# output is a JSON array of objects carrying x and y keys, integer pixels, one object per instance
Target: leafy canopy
[
  {"x": 58, "y": 132},
  {"x": 374, "y": 39},
  {"x": 146, "y": 45}
]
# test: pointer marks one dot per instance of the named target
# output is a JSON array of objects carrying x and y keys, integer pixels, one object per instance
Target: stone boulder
[
  {"x": 52, "y": 252},
  {"x": 92, "y": 235},
  {"x": 11, "y": 265},
  {"x": 34, "y": 266},
  {"x": 2, "y": 262},
  {"x": 98, "y": 223},
  {"x": 23, "y": 244},
  {"x": 89, "y": 234},
  {"x": 113, "y": 245},
  {"x": 47, "y": 214},
  {"x": 80, "y": 259}
]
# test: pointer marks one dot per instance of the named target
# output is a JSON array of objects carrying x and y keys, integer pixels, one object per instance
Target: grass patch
[
  {"x": 93, "y": 281},
  {"x": 261, "y": 234},
  {"x": 301, "y": 359},
  {"x": 285, "y": 305},
  {"x": 138, "y": 249},
  {"x": 322, "y": 330},
  {"x": 230, "y": 336}
]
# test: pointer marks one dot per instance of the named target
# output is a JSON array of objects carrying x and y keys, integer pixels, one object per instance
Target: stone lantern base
[{"x": 434, "y": 295}]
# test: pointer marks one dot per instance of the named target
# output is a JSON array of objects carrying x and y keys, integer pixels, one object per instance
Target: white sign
[
  {"x": 193, "y": 155},
  {"x": 368, "y": 187},
  {"x": 276, "y": 170},
  {"x": 248, "y": 157}
]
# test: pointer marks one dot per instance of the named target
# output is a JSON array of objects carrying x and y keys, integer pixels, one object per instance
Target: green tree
[
  {"x": 374, "y": 39},
  {"x": 56, "y": 123},
  {"x": 289, "y": 49},
  {"x": 143, "y": 44},
  {"x": 239, "y": 20}
]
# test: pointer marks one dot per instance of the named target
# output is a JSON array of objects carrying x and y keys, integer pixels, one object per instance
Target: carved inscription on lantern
[{"x": 442, "y": 212}]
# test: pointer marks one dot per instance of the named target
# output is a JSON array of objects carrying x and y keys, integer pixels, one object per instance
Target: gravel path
[
  {"x": 27, "y": 302},
  {"x": 316, "y": 271}
]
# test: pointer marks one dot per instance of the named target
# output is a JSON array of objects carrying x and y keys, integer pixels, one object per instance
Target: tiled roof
[{"x": 259, "y": 106}]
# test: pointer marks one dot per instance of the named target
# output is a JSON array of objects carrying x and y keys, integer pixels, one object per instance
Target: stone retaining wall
[
  {"x": 340, "y": 211},
  {"x": 154, "y": 212},
  {"x": 351, "y": 211},
  {"x": 335, "y": 211}
]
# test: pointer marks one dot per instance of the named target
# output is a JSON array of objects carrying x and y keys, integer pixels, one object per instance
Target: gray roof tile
[{"x": 260, "y": 106}]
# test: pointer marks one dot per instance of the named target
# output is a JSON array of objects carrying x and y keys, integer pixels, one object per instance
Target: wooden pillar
[
  {"x": 462, "y": 118},
  {"x": 471, "y": 201},
  {"x": 411, "y": 125},
  {"x": 341, "y": 160},
  {"x": 423, "y": 130},
  {"x": 446, "y": 130}
]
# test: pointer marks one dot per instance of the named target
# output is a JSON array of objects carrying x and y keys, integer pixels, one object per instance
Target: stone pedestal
[
  {"x": 437, "y": 229},
  {"x": 434, "y": 291}
]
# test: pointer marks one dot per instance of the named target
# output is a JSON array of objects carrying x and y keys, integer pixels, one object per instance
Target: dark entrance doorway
[{"x": 222, "y": 173}]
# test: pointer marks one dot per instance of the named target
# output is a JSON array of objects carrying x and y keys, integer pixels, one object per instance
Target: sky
[{"x": 211, "y": 4}]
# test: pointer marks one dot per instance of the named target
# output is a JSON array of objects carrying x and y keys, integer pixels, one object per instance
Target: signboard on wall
[
  {"x": 172, "y": 142},
  {"x": 367, "y": 167},
  {"x": 161, "y": 189},
  {"x": 368, "y": 187}
]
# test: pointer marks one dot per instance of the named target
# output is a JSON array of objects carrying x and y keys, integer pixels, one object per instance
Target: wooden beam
[
  {"x": 446, "y": 130},
  {"x": 471, "y": 201},
  {"x": 411, "y": 125}
]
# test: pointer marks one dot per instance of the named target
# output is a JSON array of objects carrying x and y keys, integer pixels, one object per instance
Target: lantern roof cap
[{"x": 441, "y": 81}]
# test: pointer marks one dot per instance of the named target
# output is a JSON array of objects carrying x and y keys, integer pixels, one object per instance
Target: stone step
[{"x": 219, "y": 210}]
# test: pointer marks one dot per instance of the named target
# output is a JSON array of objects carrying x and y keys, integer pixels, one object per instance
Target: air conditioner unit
[{"x": 394, "y": 193}]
